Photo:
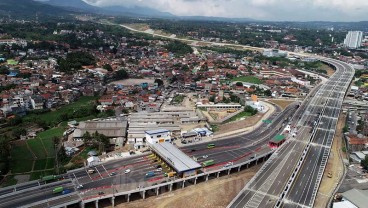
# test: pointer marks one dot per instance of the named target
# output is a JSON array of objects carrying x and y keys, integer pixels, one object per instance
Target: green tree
[
  {"x": 107, "y": 67},
  {"x": 159, "y": 82},
  {"x": 364, "y": 163},
  {"x": 239, "y": 84},
  {"x": 87, "y": 138},
  {"x": 19, "y": 131},
  {"x": 121, "y": 74}
]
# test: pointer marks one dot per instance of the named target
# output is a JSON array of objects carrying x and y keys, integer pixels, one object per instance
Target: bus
[
  {"x": 209, "y": 146},
  {"x": 208, "y": 163},
  {"x": 50, "y": 178},
  {"x": 58, "y": 189}
]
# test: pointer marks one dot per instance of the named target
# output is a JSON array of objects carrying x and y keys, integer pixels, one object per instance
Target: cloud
[{"x": 290, "y": 10}]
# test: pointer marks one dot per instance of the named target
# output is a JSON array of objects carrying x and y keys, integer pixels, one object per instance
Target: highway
[
  {"x": 235, "y": 149},
  {"x": 292, "y": 176}
]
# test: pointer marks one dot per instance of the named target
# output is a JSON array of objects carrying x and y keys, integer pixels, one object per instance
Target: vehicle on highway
[
  {"x": 158, "y": 166},
  {"x": 80, "y": 186},
  {"x": 101, "y": 193},
  {"x": 193, "y": 150},
  {"x": 58, "y": 189},
  {"x": 66, "y": 191},
  {"x": 208, "y": 163},
  {"x": 50, "y": 178},
  {"x": 209, "y": 146},
  {"x": 228, "y": 164},
  {"x": 329, "y": 175},
  {"x": 205, "y": 156},
  {"x": 112, "y": 174},
  {"x": 150, "y": 174},
  {"x": 158, "y": 170},
  {"x": 127, "y": 171},
  {"x": 170, "y": 174},
  {"x": 90, "y": 171}
]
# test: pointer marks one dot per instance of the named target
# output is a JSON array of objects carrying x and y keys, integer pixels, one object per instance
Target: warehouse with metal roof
[{"x": 179, "y": 161}]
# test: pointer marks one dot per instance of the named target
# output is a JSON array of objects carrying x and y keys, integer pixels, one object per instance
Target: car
[
  {"x": 205, "y": 156},
  {"x": 101, "y": 193},
  {"x": 112, "y": 173},
  {"x": 158, "y": 166},
  {"x": 66, "y": 191},
  {"x": 192, "y": 150},
  {"x": 127, "y": 171},
  {"x": 80, "y": 186},
  {"x": 159, "y": 169}
]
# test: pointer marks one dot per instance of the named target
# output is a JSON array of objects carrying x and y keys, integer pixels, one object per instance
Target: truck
[
  {"x": 150, "y": 174},
  {"x": 208, "y": 163},
  {"x": 58, "y": 189}
]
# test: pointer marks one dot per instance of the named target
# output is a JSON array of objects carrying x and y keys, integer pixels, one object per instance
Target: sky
[{"x": 277, "y": 10}]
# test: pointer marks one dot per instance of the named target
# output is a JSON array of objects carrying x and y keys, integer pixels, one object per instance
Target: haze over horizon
[{"x": 274, "y": 10}]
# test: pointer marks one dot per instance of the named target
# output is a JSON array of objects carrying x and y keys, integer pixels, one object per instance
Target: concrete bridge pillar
[
  {"x": 128, "y": 197},
  {"x": 206, "y": 177},
  {"x": 183, "y": 185},
  {"x": 239, "y": 168},
  {"x": 144, "y": 194},
  {"x": 170, "y": 187},
  {"x": 195, "y": 181},
  {"x": 256, "y": 161},
  {"x": 157, "y": 191},
  {"x": 218, "y": 174},
  {"x": 228, "y": 172},
  {"x": 113, "y": 202},
  {"x": 81, "y": 204},
  {"x": 247, "y": 165},
  {"x": 96, "y": 203}
]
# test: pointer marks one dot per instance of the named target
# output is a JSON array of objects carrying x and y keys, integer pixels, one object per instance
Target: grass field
[
  {"x": 12, "y": 62},
  {"x": 37, "y": 148},
  {"x": 40, "y": 164},
  {"x": 53, "y": 116},
  {"x": 39, "y": 174},
  {"x": 239, "y": 116},
  {"x": 249, "y": 79}
]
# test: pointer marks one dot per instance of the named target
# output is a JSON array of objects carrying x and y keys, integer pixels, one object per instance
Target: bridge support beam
[
  {"x": 113, "y": 202},
  {"x": 247, "y": 165},
  {"x": 96, "y": 203},
  {"x": 228, "y": 172},
  {"x": 81, "y": 204},
  {"x": 218, "y": 174},
  {"x": 206, "y": 177},
  {"x": 157, "y": 191},
  {"x": 239, "y": 168},
  {"x": 195, "y": 181},
  {"x": 170, "y": 187},
  {"x": 183, "y": 185},
  {"x": 256, "y": 161}
]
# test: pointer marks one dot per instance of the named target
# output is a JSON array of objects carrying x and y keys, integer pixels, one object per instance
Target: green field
[
  {"x": 249, "y": 79},
  {"x": 12, "y": 62},
  {"x": 39, "y": 174},
  {"x": 53, "y": 116},
  {"x": 37, "y": 148},
  {"x": 40, "y": 164},
  {"x": 239, "y": 116}
]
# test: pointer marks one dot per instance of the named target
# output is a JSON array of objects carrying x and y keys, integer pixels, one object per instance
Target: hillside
[{"x": 29, "y": 8}]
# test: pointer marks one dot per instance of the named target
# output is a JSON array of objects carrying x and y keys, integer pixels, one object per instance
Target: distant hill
[
  {"x": 79, "y": 5},
  {"x": 28, "y": 8}
]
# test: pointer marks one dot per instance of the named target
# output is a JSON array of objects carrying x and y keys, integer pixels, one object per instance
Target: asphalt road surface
[{"x": 272, "y": 185}]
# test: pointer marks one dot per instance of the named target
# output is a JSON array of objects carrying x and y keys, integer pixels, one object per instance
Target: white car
[
  {"x": 127, "y": 171},
  {"x": 205, "y": 156},
  {"x": 159, "y": 169}
]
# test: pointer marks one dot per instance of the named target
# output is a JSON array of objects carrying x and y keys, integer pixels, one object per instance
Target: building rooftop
[
  {"x": 150, "y": 132},
  {"x": 176, "y": 158},
  {"x": 357, "y": 197}
]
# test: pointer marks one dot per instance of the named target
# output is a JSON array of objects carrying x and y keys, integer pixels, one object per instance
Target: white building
[
  {"x": 353, "y": 39},
  {"x": 158, "y": 136}
]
